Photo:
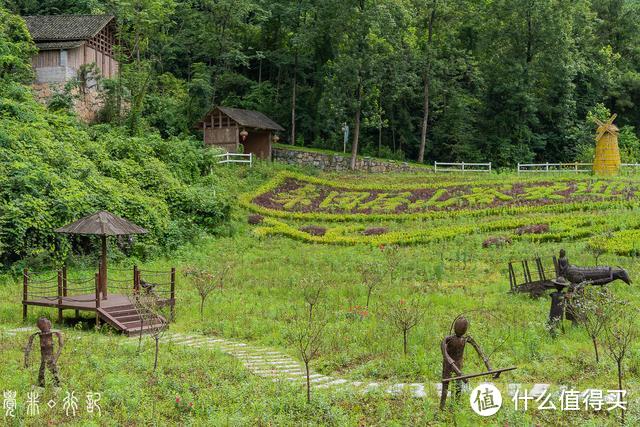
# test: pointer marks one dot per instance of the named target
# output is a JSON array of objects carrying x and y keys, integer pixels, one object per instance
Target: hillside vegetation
[{"x": 53, "y": 169}]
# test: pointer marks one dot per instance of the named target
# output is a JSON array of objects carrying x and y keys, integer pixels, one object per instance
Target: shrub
[
  {"x": 255, "y": 219},
  {"x": 532, "y": 229},
  {"x": 314, "y": 230},
  {"x": 496, "y": 241},
  {"x": 375, "y": 231}
]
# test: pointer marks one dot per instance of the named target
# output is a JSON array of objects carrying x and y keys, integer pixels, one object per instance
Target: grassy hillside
[{"x": 263, "y": 291}]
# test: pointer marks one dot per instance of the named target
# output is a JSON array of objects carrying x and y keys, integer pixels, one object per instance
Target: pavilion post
[
  {"x": 64, "y": 280},
  {"x": 173, "y": 292},
  {"x": 97, "y": 299},
  {"x": 103, "y": 268},
  {"x": 25, "y": 284},
  {"x": 59, "y": 296},
  {"x": 135, "y": 279}
]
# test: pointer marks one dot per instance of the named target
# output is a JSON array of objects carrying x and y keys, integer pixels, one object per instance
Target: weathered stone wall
[
  {"x": 85, "y": 106},
  {"x": 334, "y": 162}
]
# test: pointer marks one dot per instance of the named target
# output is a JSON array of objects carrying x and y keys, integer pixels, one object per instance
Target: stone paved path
[{"x": 279, "y": 366}]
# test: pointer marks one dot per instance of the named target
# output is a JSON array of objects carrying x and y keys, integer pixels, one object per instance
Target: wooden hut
[
  {"x": 227, "y": 128},
  {"x": 66, "y": 42}
]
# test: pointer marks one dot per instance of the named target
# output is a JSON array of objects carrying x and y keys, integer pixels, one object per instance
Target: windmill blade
[
  {"x": 611, "y": 119},
  {"x": 601, "y": 134},
  {"x": 598, "y": 122}
]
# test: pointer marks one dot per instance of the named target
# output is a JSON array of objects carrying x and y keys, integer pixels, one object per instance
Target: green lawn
[{"x": 449, "y": 277}]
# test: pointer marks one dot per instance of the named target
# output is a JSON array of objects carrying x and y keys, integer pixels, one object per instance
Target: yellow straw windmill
[{"x": 607, "y": 158}]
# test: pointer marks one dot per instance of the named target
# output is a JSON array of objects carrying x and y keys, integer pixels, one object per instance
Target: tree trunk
[
  {"x": 356, "y": 131},
  {"x": 427, "y": 86},
  {"x": 404, "y": 333},
  {"x": 293, "y": 106},
  {"x": 425, "y": 120},
  {"x": 310, "y": 312},
  {"x": 293, "y": 112},
  {"x": 201, "y": 309},
  {"x": 619, "y": 363},
  {"x": 379, "y": 137},
  {"x": 306, "y": 367},
  {"x": 595, "y": 348},
  {"x": 369, "y": 296},
  {"x": 155, "y": 362}
]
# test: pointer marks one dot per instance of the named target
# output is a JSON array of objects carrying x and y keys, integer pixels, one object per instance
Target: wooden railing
[
  {"x": 58, "y": 289},
  {"x": 461, "y": 167},
  {"x": 235, "y": 158}
]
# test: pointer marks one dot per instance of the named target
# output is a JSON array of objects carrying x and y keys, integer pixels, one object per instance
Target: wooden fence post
[
  {"x": 25, "y": 284},
  {"x": 135, "y": 275},
  {"x": 64, "y": 280},
  {"x": 97, "y": 299},
  {"x": 59, "y": 296},
  {"x": 173, "y": 292}
]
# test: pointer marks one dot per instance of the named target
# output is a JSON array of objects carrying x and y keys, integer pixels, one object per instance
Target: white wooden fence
[
  {"x": 235, "y": 158},
  {"x": 554, "y": 167},
  {"x": 564, "y": 167},
  {"x": 461, "y": 167}
]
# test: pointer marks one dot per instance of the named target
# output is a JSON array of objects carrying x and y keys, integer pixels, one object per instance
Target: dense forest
[{"x": 501, "y": 80}]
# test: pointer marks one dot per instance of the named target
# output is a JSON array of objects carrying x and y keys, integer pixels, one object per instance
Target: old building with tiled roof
[
  {"x": 234, "y": 129},
  {"x": 66, "y": 42}
]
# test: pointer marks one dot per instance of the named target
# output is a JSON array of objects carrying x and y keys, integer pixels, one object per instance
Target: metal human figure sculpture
[
  {"x": 47, "y": 358},
  {"x": 453, "y": 357}
]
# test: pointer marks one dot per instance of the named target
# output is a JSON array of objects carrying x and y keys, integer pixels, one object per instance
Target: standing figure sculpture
[
  {"x": 453, "y": 357},
  {"x": 47, "y": 358}
]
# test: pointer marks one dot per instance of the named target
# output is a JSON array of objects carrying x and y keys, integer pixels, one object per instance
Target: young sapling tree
[
  {"x": 372, "y": 275},
  {"x": 206, "y": 282},
  {"x": 312, "y": 291},
  {"x": 306, "y": 336},
  {"x": 620, "y": 333},
  {"x": 404, "y": 316},
  {"x": 152, "y": 317},
  {"x": 592, "y": 309}
]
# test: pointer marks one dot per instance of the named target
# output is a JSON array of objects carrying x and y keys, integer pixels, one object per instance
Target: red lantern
[{"x": 244, "y": 134}]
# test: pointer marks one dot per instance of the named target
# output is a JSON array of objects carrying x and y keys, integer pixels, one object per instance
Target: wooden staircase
[{"x": 127, "y": 319}]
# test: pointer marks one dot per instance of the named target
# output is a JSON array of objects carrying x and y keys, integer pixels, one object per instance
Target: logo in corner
[{"x": 485, "y": 399}]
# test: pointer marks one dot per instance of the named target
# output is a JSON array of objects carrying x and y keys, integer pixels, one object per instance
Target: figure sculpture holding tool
[{"x": 453, "y": 359}]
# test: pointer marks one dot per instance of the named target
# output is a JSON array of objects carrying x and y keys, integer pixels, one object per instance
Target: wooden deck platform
[
  {"x": 86, "y": 302},
  {"x": 117, "y": 310}
]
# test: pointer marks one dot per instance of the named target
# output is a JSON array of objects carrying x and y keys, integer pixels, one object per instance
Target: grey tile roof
[
  {"x": 59, "y": 45},
  {"x": 251, "y": 119},
  {"x": 65, "y": 27}
]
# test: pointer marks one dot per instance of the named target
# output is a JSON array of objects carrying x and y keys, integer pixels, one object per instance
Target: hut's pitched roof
[
  {"x": 249, "y": 118},
  {"x": 102, "y": 223},
  {"x": 58, "y": 31}
]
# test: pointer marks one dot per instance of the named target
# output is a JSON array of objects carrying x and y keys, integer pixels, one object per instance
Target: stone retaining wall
[{"x": 334, "y": 162}]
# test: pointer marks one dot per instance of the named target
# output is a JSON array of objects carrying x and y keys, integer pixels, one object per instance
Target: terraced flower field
[{"x": 539, "y": 209}]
